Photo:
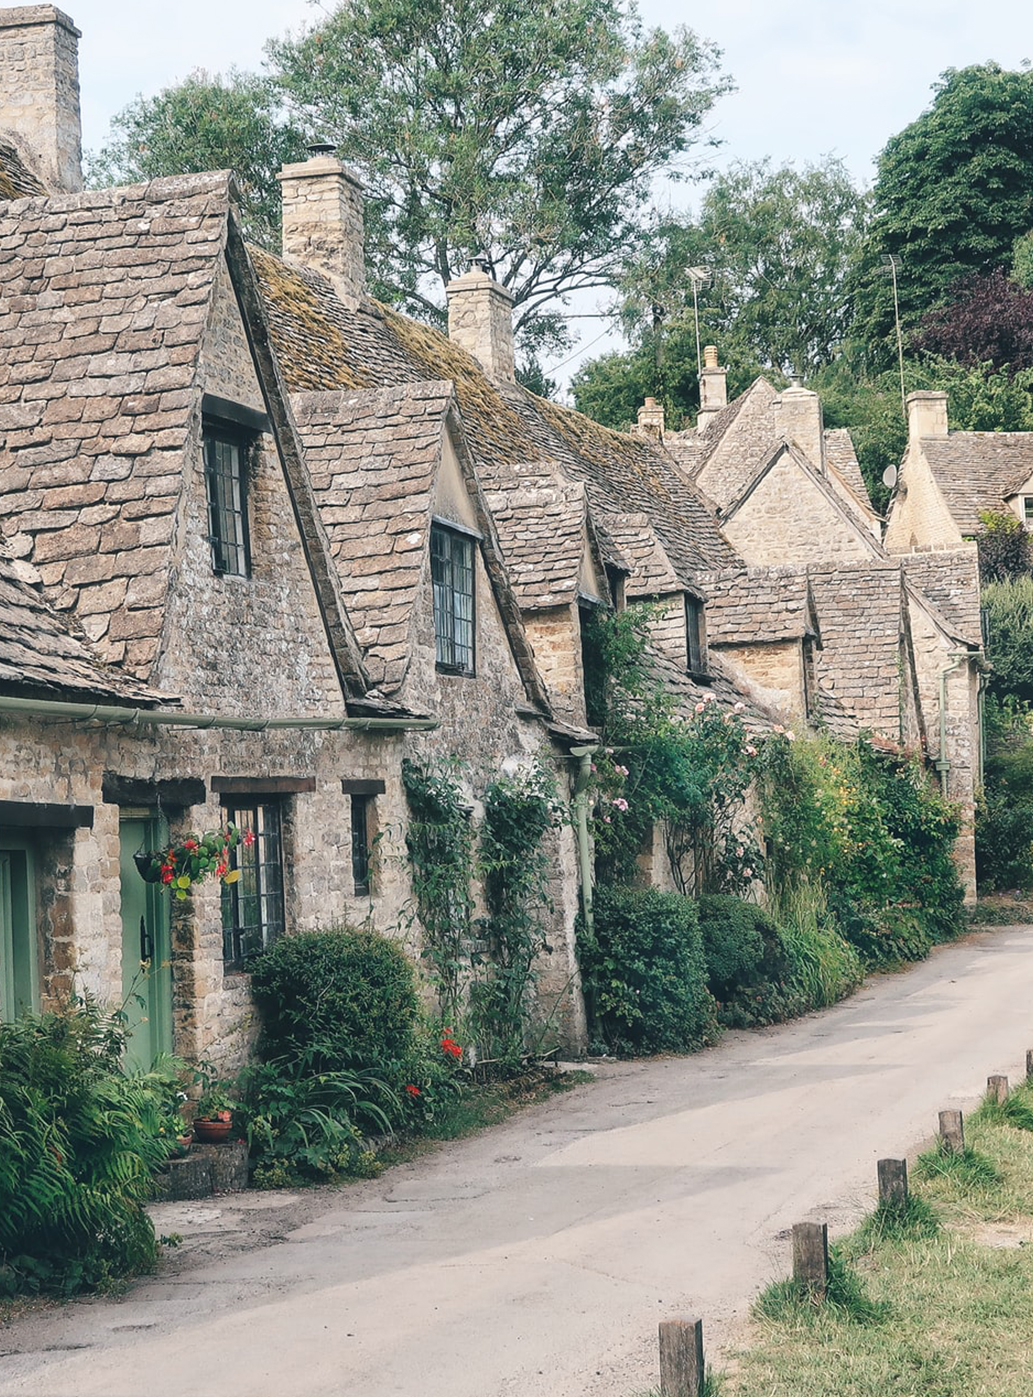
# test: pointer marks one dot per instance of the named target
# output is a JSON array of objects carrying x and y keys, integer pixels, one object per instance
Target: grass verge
[{"x": 931, "y": 1300}]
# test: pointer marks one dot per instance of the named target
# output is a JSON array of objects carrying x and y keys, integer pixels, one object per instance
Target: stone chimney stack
[
  {"x": 481, "y": 320},
  {"x": 323, "y": 221},
  {"x": 927, "y": 415},
  {"x": 39, "y": 92},
  {"x": 798, "y": 414},
  {"x": 650, "y": 420},
  {"x": 713, "y": 391}
]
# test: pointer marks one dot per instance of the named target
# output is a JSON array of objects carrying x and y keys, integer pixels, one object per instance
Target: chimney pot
[
  {"x": 713, "y": 390},
  {"x": 323, "y": 222},
  {"x": 322, "y": 148},
  {"x": 39, "y": 91},
  {"x": 481, "y": 319}
]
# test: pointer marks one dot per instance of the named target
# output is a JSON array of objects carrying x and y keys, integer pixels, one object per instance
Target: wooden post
[
  {"x": 950, "y": 1126},
  {"x": 892, "y": 1177},
  {"x": 682, "y": 1356},
  {"x": 997, "y": 1087},
  {"x": 1030, "y": 1064},
  {"x": 811, "y": 1256}
]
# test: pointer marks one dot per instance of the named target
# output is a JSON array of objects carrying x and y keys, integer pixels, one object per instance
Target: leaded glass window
[
  {"x": 253, "y": 907},
  {"x": 226, "y": 480},
  {"x": 452, "y": 580}
]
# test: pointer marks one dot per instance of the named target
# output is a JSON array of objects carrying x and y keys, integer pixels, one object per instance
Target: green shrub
[
  {"x": 79, "y": 1143},
  {"x": 734, "y": 947},
  {"x": 644, "y": 972},
  {"x": 336, "y": 998},
  {"x": 822, "y": 965},
  {"x": 306, "y": 1124},
  {"x": 1003, "y": 822}
]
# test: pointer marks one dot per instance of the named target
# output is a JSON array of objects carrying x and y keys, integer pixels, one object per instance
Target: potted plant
[
  {"x": 178, "y": 867},
  {"x": 214, "y": 1120}
]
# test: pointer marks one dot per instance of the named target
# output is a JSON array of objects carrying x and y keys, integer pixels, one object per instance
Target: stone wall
[
  {"x": 788, "y": 518},
  {"x": 919, "y": 517},
  {"x": 555, "y": 637},
  {"x": 776, "y": 670}
]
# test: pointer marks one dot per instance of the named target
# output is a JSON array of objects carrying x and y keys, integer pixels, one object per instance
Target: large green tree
[
  {"x": 777, "y": 246},
  {"x": 208, "y": 123},
  {"x": 952, "y": 196},
  {"x": 532, "y": 133}
]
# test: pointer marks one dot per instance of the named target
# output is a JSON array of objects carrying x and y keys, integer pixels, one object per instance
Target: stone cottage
[{"x": 263, "y": 539}]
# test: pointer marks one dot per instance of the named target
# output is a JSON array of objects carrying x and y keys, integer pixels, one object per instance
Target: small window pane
[
  {"x": 361, "y": 811},
  {"x": 696, "y": 648},
  {"x": 452, "y": 588},
  {"x": 253, "y": 907},
  {"x": 225, "y": 458}
]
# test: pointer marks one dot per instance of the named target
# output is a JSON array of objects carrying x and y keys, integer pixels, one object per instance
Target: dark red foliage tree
[{"x": 988, "y": 320}]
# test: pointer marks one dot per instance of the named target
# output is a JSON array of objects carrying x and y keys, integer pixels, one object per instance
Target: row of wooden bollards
[{"x": 681, "y": 1340}]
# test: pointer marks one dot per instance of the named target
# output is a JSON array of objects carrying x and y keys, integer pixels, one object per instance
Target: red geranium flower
[{"x": 413, "y": 1091}]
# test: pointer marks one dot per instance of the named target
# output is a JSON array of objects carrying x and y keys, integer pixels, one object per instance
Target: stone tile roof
[
  {"x": 844, "y": 470},
  {"x": 950, "y": 578},
  {"x": 42, "y": 657},
  {"x": 103, "y": 299},
  {"x": 861, "y": 620},
  {"x": 651, "y": 573},
  {"x": 542, "y": 520},
  {"x": 322, "y": 344},
  {"x": 760, "y": 605},
  {"x": 722, "y": 690},
  {"x": 373, "y": 457},
  {"x": 16, "y": 179},
  {"x": 977, "y": 470}
]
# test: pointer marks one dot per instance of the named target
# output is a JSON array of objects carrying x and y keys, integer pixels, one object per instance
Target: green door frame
[{"x": 19, "y": 947}]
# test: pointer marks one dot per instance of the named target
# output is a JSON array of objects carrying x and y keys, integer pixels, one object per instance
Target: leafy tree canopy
[
  {"x": 208, "y": 123},
  {"x": 777, "y": 246},
  {"x": 532, "y": 133},
  {"x": 952, "y": 195},
  {"x": 989, "y": 321}
]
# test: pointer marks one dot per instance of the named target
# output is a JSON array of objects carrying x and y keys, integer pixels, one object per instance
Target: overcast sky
[{"x": 813, "y": 77}]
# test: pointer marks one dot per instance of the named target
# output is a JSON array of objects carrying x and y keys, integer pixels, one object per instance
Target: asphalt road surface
[{"x": 538, "y": 1257}]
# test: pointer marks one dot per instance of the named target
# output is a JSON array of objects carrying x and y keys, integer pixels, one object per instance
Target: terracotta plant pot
[{"x": 214, "y": 1132}]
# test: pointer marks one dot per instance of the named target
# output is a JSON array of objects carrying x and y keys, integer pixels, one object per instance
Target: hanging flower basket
[{"x": 195, "y": 858}]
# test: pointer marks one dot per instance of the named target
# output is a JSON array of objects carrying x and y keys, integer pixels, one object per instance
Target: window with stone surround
[
  {"x": 253, "y": 907},
  {"x": 452, "y": 582},
  {"x": 226, "y": 478},
  {"x": 230, "y": 433},
  {"x": 696, "y": 638}
]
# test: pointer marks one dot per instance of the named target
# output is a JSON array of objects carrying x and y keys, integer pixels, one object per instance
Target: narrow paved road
[{"x": 538, "y": 1258}]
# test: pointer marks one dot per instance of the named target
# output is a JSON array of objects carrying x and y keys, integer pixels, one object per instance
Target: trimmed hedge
[
  {"x": 644, "y": 973},
  {"x": 346, "y": 994}
]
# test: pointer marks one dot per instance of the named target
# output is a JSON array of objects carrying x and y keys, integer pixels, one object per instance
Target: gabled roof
[
  {"x": 105, "y": 298},
  {"x": 736, "y": 440},
  {"x": 41, "y": 656},
  {"x": 845, "y": 472},
  {"x": 322, "y": 344},
  {"x": 373, "y": 457},
  {"x": 850, "y": 514},
  {"x": 950, "y": 578},
  {"x": 544, "y": 528},
  {"x": 860, "y": 613},
  {"x": 977, "y": 471},
  {"x": 759, "y": 605},
  {"x": 102, "y": 311},
  {"x": 651, "y": 572}
]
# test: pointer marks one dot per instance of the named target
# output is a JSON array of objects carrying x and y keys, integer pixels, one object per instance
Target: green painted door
[
  {"x": 19, "y": 957},
  {"x": 146, "y": 950}
]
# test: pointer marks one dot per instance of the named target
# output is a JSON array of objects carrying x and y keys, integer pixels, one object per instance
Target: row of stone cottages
[{"x": 263, "y": 538}]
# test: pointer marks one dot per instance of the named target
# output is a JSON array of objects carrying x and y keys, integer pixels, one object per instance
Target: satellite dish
[{"x": 890, "y": 477}]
